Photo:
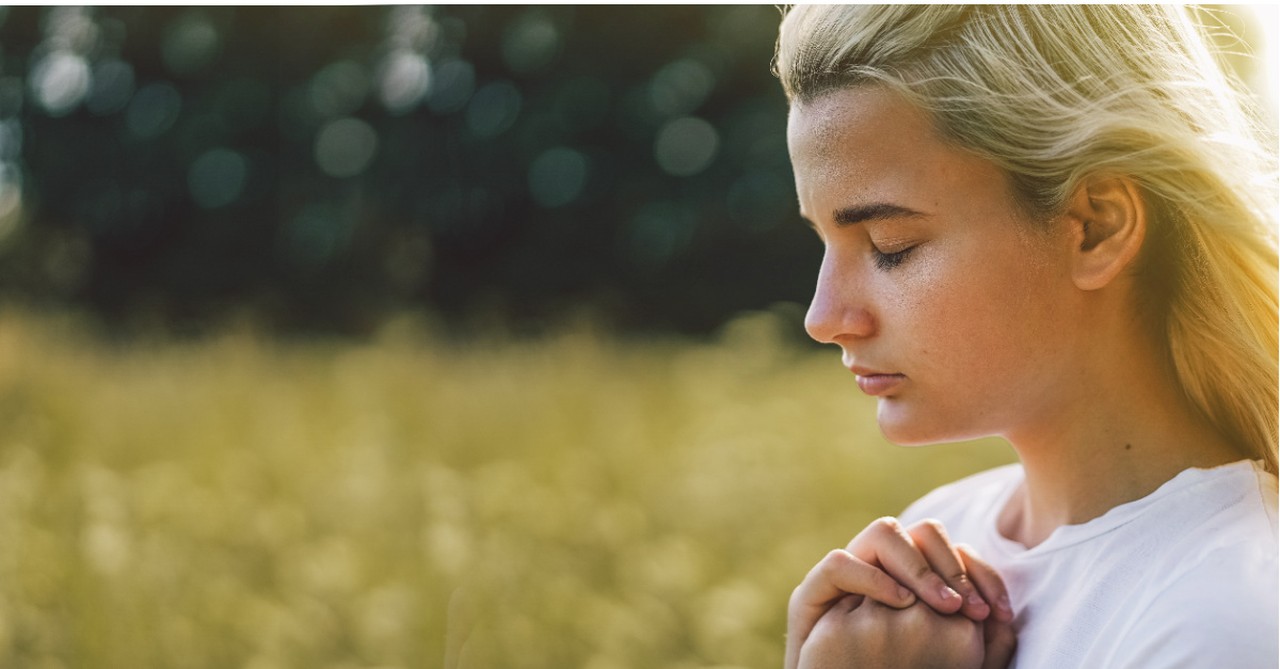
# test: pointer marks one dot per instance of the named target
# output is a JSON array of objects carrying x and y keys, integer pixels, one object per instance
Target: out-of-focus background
[{"x": 346, "y": 336}]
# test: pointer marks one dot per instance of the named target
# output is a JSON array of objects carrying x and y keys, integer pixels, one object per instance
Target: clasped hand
[{"x": 900, "y": 597}]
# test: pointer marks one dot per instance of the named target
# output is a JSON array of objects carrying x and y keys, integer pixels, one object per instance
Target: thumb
[{"x": 1000, "y": 641}]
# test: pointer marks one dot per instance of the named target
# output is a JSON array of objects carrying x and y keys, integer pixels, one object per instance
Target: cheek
[{"x": 978, "y": 319}]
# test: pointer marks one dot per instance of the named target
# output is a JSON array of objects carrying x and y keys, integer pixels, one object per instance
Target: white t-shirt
[{"x": 1184, "y": 577}]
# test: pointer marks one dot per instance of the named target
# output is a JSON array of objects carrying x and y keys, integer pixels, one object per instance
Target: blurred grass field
[{"x": 572, "y": 501}]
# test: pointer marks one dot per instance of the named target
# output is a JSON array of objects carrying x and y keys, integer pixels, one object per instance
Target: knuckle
[
  {"x": 933, "y": 526},
  {"x": 959, "y": 635},
  {"x": 830, "y": 566},
  {"x": 887, "y": 524},
  {"x": 834, "y": 560}
]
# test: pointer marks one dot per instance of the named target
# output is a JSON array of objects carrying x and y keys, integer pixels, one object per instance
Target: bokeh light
[
  {"x": 190, "y": 44},
  {"x": 679, "y": 88},
  {"x": 452, "y": 86},
  {"x": 686, "y": 146},
  {"x": 531, "y": 42},
  {"x": 557, "y": 176},
  {"x": 113, "y": 86},
  {"x": 412, "y": 28},
  {"x": 339, "y": 89},
  {"x": 153, "y": 110},
  {"x": 345, "y": 147},
  {"x": 403, "y": 80},
  {"x": 493, "y": 109},
  {"x": 10, "y": 201},
  {"x": 71, "y": 29},
  {"x": 217, "y": 178},
  {"x": 60, "y": 81},
  {"x": 404, "y": 72}
]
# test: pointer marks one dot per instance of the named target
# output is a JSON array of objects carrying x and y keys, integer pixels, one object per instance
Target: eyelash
[{"x": 888, "y": 261}]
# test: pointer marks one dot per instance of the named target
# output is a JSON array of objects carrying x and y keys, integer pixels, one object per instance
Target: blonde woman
[{"x": 1053, "y": 224}]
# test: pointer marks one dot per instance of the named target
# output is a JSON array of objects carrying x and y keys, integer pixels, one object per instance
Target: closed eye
[{"x": 888, "y": 261}]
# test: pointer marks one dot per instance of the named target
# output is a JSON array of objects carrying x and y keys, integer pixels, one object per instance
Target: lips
[{"x": 875, "y": 383}]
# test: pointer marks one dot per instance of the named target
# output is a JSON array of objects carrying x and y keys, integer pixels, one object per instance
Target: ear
[{"x": 1107, "y": 219}]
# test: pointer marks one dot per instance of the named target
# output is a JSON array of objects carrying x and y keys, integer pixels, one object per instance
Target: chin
[
  {"x": 903, "y": 429},
  {"x": 912, "y": 439}
]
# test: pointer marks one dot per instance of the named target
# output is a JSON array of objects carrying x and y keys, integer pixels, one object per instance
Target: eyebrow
[{"x": 871, "y": 212}]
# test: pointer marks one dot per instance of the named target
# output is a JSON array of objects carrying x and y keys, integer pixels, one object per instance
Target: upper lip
[{"x": 866, "y": 371}]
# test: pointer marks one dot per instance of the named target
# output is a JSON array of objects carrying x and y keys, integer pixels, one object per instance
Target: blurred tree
[{"x": 318, "y": 167}]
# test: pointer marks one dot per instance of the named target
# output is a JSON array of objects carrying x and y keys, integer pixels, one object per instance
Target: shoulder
[
  {"x": 1219, "y": 594},
  {"x": 1219, "y": 514},
  {"x": 980, "y": 492},
  {"x": 1226, "y": 605}
]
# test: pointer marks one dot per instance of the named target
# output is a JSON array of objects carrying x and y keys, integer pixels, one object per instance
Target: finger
[
  {"x": 839, "y": 574},
  {"x": 931, "y": 539},
  {"x": 836, "y": 576},
  {"x": 988, "y": 581},
  {"x": 848, "y": 603},
  {"x": 887, "y": 545},
  {"x": 999, "y": 641}
]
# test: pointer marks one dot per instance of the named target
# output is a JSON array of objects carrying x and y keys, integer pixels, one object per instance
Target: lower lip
[{"x": 880, "y": 384}]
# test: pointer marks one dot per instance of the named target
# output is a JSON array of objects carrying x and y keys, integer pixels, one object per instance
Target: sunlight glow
[{"x": 1266, "y": 17}]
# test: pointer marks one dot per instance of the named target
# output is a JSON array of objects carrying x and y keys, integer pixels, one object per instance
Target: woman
[{"x": 1052, "y": 224}]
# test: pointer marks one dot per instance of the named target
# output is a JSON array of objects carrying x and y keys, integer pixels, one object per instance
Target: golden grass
[{"x": 573, "y": 501}]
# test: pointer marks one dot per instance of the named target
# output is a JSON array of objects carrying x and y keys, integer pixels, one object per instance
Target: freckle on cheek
[{"x": 925, "y": 284}]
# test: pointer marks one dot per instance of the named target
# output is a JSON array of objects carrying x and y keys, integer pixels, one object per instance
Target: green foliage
[
  {"x": 573, "y": 501},
  {"x": 322, "y": 167}
]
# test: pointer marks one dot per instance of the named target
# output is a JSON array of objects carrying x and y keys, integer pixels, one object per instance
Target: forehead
[
  {"x": 866, "y": 115},
  {"x": 864, "y": 142},
  {"x": 868, "y": 144},
  {"x": 842, "y": 110}
]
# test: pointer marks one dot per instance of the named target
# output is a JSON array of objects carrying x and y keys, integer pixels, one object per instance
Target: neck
[{"x": 1141, "y": 433}]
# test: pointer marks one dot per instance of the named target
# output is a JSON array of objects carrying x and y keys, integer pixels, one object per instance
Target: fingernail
[
  {"x": 976, "y": 600},
  {"x": 904, "y": 593},
  {"x": 948, "y": 593}
]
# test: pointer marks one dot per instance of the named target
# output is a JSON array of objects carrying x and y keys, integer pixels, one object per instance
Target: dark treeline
[{"x": 318, "y": 168}]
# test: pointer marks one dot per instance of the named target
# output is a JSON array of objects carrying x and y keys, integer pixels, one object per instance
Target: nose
[{"x": 839, "y": 310}]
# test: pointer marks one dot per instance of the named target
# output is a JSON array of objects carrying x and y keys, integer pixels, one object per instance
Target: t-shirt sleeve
[{"x": 1224, "y": 612}]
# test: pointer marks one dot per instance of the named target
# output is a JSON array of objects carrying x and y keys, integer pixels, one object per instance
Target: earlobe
[{"x": 1108, "y": 222}]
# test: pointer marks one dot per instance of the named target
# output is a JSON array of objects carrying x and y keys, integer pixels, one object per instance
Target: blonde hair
[{"x": 1056, "y": 94}]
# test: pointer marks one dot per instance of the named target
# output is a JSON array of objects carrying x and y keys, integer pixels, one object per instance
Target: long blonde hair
[{"x": 1056, "y": 94}]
